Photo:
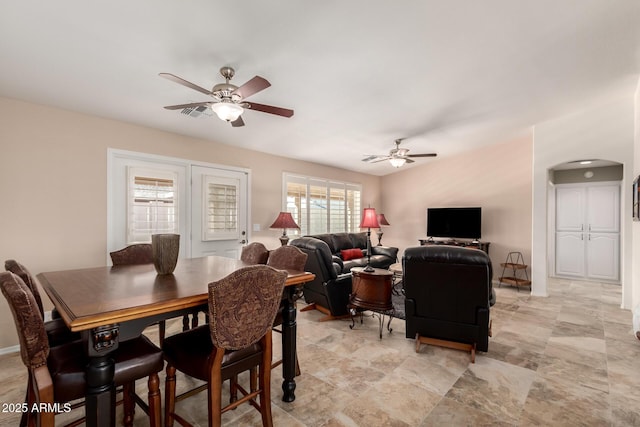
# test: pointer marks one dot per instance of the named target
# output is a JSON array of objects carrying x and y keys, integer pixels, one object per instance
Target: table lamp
[
  {"x": 382, "y": 221},
  {"x": 369, "y": 221},
  {"x": 284, "y": 221}
]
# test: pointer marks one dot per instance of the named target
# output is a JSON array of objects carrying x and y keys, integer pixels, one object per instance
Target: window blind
[
  {"x": 152, "y": 204},
  {"x": 322, "y": 206}
]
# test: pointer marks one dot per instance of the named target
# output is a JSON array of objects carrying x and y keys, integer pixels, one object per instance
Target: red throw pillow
[{"x": 348, "y": 254}]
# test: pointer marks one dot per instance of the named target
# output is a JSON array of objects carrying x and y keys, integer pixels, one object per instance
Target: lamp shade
[
  {"x": 227, "y": 111},
  {"x": 284, "y": 220},
  {"x": 369, "y": 219},
  {"x": 382, "y": 220},
  {"x": 397, "y": 162}
]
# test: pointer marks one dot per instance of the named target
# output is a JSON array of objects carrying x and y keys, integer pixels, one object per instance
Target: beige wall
[
  {"x": 496, "y": 178},
  {"x": 53, "y": 182}
]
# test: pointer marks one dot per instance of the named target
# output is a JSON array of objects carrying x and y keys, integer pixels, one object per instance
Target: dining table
[{"x": 110, "y": 304}]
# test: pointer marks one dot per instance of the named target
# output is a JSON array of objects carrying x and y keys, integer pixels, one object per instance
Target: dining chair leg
[
  {"x": 169, "y": 396},
  {"x": 214, "y": 391},
  {"x": 264, "y": 377},
  {"x": 154, "y": 400},
  {"x": 233, "y": 389},
  {"x": 128, "y": 403},
  {"x": 253, "y": 380},
  {"x": 23, "y": 417}
]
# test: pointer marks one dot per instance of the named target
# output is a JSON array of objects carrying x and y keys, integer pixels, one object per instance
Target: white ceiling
[{"x": 447, "y": 75}]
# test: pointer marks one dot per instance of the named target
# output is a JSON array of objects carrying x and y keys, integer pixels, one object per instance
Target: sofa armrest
[
  {"x": 389, "y": 251},
  {"x": 337, "y": 292},
  {"x": 337, "y": 260}
]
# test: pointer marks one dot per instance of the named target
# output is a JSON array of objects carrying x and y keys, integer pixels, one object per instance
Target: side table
[{"x": 371, "y": 291}]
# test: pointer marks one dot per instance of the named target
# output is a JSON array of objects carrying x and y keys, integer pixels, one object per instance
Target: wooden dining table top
[{"x": 92, "y": 297}]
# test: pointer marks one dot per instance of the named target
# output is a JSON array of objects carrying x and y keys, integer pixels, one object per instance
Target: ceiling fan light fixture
[
  {"x": 227, "y": 111},
  {"x": 397, "y": 162}
]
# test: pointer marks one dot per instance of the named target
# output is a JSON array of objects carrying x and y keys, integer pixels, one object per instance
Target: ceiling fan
[
  {"x": 228, "y": 99},
  {"x": 397, "y": 157}
]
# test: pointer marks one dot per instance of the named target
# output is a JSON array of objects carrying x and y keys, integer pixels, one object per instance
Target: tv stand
[{"x": 475, "y": 244}]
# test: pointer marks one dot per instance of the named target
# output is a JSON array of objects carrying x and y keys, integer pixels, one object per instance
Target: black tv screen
[{"x": 460, "y": 223}]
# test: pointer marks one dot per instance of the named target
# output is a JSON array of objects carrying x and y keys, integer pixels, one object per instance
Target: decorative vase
[{"x": 165, "y": 248}]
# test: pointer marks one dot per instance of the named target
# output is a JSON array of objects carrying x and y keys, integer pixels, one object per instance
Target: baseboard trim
[{"x": 9, "y": 350}]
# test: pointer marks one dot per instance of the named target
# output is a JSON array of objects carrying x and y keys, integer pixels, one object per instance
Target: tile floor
[{"x": 569, "y": 359}]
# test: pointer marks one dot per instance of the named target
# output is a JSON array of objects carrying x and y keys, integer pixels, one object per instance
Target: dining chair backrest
[
  {"x": 34, "y": 346},
  {"x": 21, "y": 271},
  {"x": 254, "y": 253},
  {"x": 287, "y": 258},
  {"x": 138, "y": 253},
  {"x": 243, "y": 305}
]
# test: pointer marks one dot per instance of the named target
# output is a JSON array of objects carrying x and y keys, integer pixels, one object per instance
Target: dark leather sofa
[
  {"x": 448, "y": 295},
  {"x": 340, "y": 243}
]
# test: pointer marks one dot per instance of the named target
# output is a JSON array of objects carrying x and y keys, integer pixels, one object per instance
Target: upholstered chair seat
[{"x": 134, "y": 359}]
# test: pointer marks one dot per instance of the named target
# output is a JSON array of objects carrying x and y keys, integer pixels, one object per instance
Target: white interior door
[
  {"x": 603, "y": 256},
  {"x": 588, "y": 231},
  {"x": 570, "y": 248},
  {"x": 219, "y": 200}
]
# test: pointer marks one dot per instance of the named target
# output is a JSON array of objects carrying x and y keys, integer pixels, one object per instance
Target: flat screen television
[{"x": 455, "y": 223}]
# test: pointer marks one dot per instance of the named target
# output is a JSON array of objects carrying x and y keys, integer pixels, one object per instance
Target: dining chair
[
  {"x": 57, "y": 374},
  {"x": 57, "y": 331},
  {"x": 242, "y": 307},
  {"x": 254, "y": 253},
  {"x": 286, "y": 258},
  {"x": 137, "y": 253}
]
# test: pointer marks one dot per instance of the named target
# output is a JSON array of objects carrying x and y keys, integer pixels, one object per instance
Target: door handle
[{"x": 243, "y": 241}]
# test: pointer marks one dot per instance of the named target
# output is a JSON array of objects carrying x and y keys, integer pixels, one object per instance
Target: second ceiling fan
[
  {"x": 397, "y": 156},
  {"x": 228, "y": 99}
]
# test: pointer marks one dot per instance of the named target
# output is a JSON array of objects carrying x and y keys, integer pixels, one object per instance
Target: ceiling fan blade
[
  {"x": 237, "y": 122},
  {"x": 375, "y": 159},
  {"x": 409, "y": 160},
  {"x": 183, "y": 82},
  {"x": 270, "y": 109},
  {"x": 422, "y": 155},
  {"x": 254, "y": 85},
  {"x": 183, "y": 106}
]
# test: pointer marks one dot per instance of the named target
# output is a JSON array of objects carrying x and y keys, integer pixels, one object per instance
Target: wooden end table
[{"x": 371, "y": 291}]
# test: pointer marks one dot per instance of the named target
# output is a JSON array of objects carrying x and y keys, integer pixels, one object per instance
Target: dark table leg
[
  {"x": 289, "y": 345},
  {"x": 101, "y": 395}
]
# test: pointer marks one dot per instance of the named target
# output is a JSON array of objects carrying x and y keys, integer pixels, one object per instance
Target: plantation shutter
[
  {"x": 322, "y": 206},
  {"x": 152, "y": 204},
  {"x": 221, "y": 208}
]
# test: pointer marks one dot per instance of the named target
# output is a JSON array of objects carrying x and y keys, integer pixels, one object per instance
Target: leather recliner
[
  {"x": 448, "y": 294},
  {"x": 329, "y": 291}
]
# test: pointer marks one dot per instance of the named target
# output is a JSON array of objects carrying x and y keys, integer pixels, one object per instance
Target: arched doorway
[{"x": 585, "y": 220}]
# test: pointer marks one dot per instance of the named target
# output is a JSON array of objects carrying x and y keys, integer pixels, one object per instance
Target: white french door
[
  {"x": 588, "y": 231},
  {"x": 219, "y": 211}
]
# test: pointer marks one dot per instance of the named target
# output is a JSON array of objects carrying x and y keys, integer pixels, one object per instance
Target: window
[
  {"x": 322, "y": 205},
  {"x": 152, "y": 204}
]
